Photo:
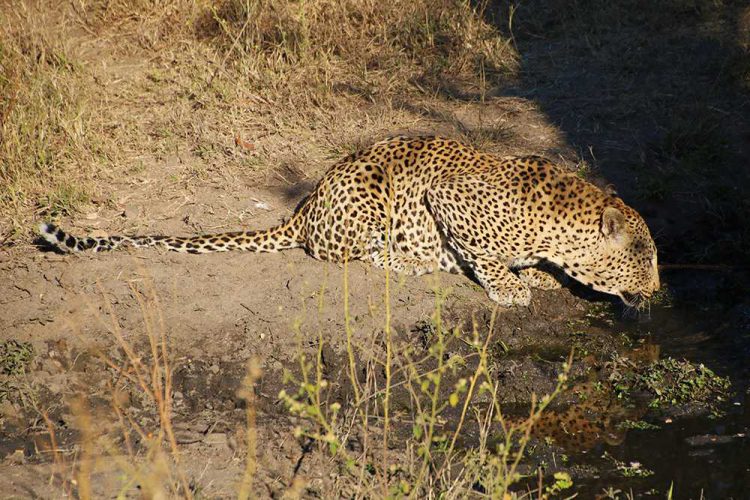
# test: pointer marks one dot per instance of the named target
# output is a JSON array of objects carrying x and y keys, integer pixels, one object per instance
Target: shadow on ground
[{"x": 654, "y": 96}]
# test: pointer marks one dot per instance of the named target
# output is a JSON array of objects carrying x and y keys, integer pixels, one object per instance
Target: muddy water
[{"x": 704, "y": 455}]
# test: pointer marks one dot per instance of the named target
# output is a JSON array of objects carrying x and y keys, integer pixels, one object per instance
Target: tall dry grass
[
  {"x": 442, "y": 390},
  {"x": 92, "y": 89},
  {"x": 126, "y": 442},
  {"x": 45, "y": 120}
]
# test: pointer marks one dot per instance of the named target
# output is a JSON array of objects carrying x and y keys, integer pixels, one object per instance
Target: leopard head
[{"x": 622, "y": 257}]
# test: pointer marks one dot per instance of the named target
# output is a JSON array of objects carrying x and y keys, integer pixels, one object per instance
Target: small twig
[{"x": 220, "y": 68}]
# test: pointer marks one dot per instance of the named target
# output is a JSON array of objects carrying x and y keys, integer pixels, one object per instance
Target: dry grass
[
  {"x": 135, "y": 370},
  {"x": 125, "y": 442},
  {"x": 443, "y": 388},
  {"x": 44, "y": 120},
  {"x": 92, "y": 91}
]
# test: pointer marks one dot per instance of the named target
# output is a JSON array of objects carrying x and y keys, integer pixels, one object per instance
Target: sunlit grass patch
[
  {"x": 44, "y": 118},
  {"x": 184, "y": 78}
]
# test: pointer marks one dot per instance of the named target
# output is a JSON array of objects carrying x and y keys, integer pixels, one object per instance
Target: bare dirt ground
[
  {"x": 609, "y": 103},
  {"x": 219, "y": 311}
]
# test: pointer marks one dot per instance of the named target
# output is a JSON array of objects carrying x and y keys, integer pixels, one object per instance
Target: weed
[
  {"x": 562, "y": 482},
  {"x": 663, "y": 298},
  {"x": 15, "y": 357},
  {"x": 441, "y": 388},
  {"x": 632, "y": 469},
  {"x": 669, "y": 382},
  {"x": 583, "y": 170},
  {"x": 640, "y": 425}
]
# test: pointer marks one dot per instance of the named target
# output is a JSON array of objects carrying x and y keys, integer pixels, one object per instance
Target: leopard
[
  {"x": 421, "y": 204},
  {"x": 593, "y": 411},
  {"x": 595, "y": 416}
]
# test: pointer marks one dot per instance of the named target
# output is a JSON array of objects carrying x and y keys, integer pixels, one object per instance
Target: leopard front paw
[{"x": 536, "y": 278}]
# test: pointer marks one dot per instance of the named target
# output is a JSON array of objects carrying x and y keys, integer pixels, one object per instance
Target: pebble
[
  {"x": 130, "y": 212},
  {"x": 16, "y": 458},
  {"x": 216, "y": 439}
]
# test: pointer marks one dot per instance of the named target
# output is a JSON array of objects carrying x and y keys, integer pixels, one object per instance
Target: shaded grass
[
  {"x": 695, "y": 162},
  {"x": 670, "y": 382}
]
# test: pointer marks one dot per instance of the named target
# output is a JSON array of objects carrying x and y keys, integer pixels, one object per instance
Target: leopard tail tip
[{"x": 49, "y": 232}]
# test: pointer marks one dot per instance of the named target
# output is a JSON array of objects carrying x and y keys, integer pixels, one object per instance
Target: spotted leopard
[{"x": 419, "y": 204}]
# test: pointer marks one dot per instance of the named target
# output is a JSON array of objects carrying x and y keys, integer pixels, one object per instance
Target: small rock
[
  {"x": 130, "y": 212},
  {"x": 16, "y": 458},
  {"x": 216, "y": 439},
  {"x": 52, "y": 366},
  {"x": 214, "y": 369}
]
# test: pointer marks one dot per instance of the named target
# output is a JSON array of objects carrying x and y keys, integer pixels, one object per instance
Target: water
[{"x": 703, "y": 456}]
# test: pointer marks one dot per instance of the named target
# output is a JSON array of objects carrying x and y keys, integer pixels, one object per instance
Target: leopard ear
[{"x": 614, "y": 226}]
